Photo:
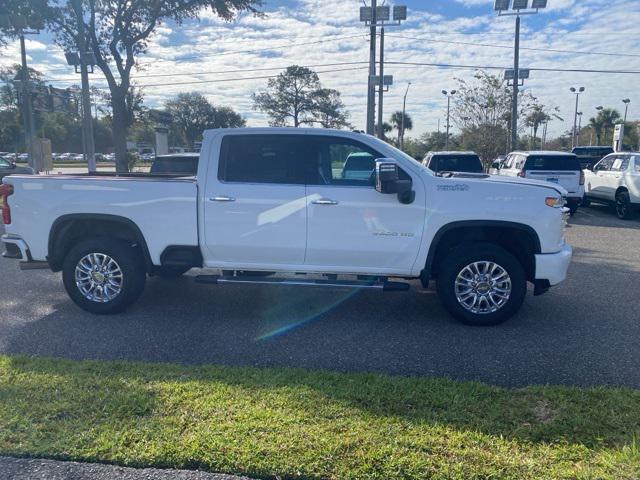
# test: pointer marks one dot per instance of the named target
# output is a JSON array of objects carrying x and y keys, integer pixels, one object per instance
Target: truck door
[
  {"x": 352, "y": 227},
  {"x": 254, "y": 203}
]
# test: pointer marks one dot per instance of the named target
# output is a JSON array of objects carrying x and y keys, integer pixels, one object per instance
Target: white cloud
[{"x": 328, "y": 31}]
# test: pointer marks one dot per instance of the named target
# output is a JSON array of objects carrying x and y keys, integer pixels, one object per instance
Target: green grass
[{"x": 288, "y": 423}]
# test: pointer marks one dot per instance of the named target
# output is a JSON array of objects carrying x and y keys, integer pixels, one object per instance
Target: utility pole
[
  {"x": 89, "y": 148},
  {"x": 626, "y": 102},
  {"x": 375, "y": 16},
  {"x": 448, "y": 95},
  {"x": 514, "y": 98},
  {"x": 579, "y": 129},
  {"x": 381, "y": 88},
  {"x": 404, "y": 112},
  {"x": 371, "y": 92},
  {"x": 520, "y": 7}
]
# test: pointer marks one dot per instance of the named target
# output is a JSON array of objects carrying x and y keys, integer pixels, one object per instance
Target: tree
[
  {"x": 296, "y": 96},
  {"x": 609, "y": 117},
  {"x": 396, "y": 122},
  {"x": 482, "y": 110},
  {"x": 118, "y": 31},
  {"x": 193, "y": 114},
  {"x": 330, "y": 110},
  {"x": 595, "y": 123}
]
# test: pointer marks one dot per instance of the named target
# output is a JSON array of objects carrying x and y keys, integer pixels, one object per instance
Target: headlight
[{"x": 555, "y": 202}]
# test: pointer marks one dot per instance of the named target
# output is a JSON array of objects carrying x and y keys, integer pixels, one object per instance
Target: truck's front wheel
[
  {"x": 481, "y": 284},
  {"x": 103, "y": 275}
]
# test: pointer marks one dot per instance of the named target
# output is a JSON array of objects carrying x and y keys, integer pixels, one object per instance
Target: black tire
[
  {"x": 170, "y": 272},
  {"x": 623, "y": 206},
  {"x": 585, "y": 202},
  {"x": 130, "y": 262},
  {"x": 573, "y": 210},
  {"x": 465, "y": 255}
]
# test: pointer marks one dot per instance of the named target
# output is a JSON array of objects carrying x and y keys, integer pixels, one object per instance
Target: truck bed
[{"x": 164, "y": 207}]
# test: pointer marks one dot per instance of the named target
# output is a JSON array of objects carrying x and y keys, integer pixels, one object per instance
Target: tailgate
[{"x": 569, "y": 180}]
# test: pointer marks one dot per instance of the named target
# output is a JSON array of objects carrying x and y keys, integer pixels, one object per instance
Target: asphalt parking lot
[{"x": 583, "y": 332}]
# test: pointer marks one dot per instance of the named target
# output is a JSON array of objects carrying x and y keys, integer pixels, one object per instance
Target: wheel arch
[
  {"x": 66, "y": 230},
  {"x": 519, "y": 239}
]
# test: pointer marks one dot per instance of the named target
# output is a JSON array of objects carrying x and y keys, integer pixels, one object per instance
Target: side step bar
[{"x": 385, "y": 285}]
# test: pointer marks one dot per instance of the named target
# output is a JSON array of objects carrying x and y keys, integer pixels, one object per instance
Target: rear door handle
[
  {"x": 222, "y": 198},
  {"x": 324, "y": 201}
]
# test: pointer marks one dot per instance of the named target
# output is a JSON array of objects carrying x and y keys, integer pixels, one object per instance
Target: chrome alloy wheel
[
  {"x": 483, "y": 287},
  {"x": 98, "y": 277}
]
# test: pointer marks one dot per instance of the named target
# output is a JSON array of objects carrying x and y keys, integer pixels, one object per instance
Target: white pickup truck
[{"x": 275, "y": 205}]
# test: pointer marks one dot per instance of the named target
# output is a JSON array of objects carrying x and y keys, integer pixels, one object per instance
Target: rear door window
[
  {"x": 262, "y": 159},
  {"x": 620, "y": 164},
  {"x": 552, "y": 162}
]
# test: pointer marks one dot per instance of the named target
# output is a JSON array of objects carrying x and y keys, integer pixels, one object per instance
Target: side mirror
[
  {"x": 388, "y": 181},
  {"x": 496, "y": 165},
  {"x": 386, "y": 176}
]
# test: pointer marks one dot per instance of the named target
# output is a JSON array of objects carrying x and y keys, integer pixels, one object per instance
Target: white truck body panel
[
  {"x": 164, "y": 210},
  {"x": 276, "y": 227}
]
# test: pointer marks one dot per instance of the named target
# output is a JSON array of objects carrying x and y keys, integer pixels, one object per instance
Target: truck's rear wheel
[
  {"x": 103, "y": 275},
  {"x": 481, "y": 284}
]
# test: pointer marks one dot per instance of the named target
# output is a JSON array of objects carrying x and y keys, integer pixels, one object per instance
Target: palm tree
[
  {"x": 609, "y": 117},
  {"x": 396, "y": 122},
  {"x": 596, "y": 124},
  {"x": 536, "y": 118}
]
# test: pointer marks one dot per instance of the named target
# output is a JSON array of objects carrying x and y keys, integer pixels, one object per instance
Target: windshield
[
  {"x": 4, "y": 163},
  {"x": 552, "y": 162}
]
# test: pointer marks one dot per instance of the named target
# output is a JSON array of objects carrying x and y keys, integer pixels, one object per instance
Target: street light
[
  {"x": 404, "y": 109},
  {"x": 579, "y": 129},
  {"x": 626, "y": 102},
  {"x": 577, "y": 93},
  {"x": 520, "y": 7},
  {"x": 448, "y": 95}
]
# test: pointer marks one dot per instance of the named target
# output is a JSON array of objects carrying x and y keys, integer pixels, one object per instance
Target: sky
[{"x": 216, "y": 58}]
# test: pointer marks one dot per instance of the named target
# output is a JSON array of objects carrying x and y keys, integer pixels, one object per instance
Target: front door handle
[
  {"x": 222, "y": 198},
  {"x": 324, "y": 201}
]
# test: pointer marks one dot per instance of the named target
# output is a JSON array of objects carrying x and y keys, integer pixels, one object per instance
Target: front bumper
[
  {"x": 554, "y": 266},
  {"x": 15, "y": 248}
]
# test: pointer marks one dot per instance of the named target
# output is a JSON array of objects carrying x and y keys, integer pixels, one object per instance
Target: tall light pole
[
  {"x": 404, "y": 111},
  {"x": 448, "y": 95},
  {"x": 375, "y": 16},
  {"x": 579, "y": 129},
  {"x": 577, "y": 92},
  {"x": 519, "y": 7},
  {"x": 626, "y": 102}
]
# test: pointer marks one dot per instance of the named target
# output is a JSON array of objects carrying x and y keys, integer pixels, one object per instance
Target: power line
[
  {"x": 491, "y": 67},
  {"x": 220, "y": 72},
  {"x": 235, "y": 79},
  {"x": 510, "y": 47}
]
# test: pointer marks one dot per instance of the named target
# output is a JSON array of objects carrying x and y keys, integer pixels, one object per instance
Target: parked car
[
  {"x": 615, "y": 180},
  {"x": 560, "y": 168},
  {"x": 439, "y": 162},
  {"x": 178, "y": 164},
  {"x": 276, "y": 200},
  {"x": 589, "y": 156},
  {"x": 9, "y": 168}
]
